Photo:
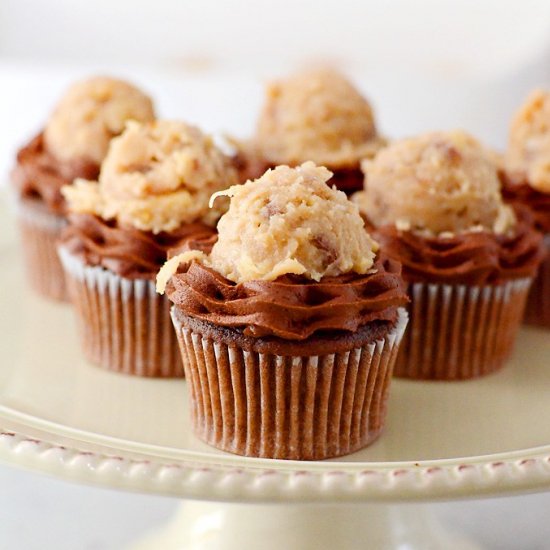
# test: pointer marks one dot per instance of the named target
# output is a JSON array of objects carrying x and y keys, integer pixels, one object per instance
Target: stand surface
[{"x": 62, "y": 416}]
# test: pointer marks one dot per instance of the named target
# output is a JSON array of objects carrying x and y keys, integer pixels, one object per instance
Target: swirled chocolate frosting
[
  {"x": 38, "y": 174},
  {"x": 516, "y": 190},
  {"x": 291, "y": 307},
  {"x": 473, "y": 258},
  {"x": 126, "y": 251},
  {"x": 348, "y": 180}
]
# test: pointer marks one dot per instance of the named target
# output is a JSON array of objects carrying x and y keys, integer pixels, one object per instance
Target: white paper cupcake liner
[
  {"x": 458, "y": 332},
  {"x": 537, "y": 310},
  {"x": 124, "y": 324},
  {"x": 39, "y": 230},
  {"x": 273, "y": 406}
]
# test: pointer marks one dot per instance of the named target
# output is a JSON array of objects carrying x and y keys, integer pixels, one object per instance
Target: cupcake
[
  {"x": 288, "y": 323},
  {"x": 526, "y": 180},
  {"x": 316, "y": 116},
  {"x": 152, "y": 195},
  {"x": 434, "y": 204},
  {"x": 72, "y": 145}
]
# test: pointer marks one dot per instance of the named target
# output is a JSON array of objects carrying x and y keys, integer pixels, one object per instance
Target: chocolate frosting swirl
[
  {"x": 38, "y": 174},
  {"x": 474, "y": 258},
  {"x": 515, "y": 189},
  {"x": 129, "y": 252},
  {"x": 348, "y": 180},
  {"x": 291, "y": 307}
]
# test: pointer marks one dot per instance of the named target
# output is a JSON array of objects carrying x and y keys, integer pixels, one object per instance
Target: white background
[{"x": 424, "y": 64}]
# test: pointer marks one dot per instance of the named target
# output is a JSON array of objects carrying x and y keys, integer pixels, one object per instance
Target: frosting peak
[
  {"x": 529, "y": 141},
  {"x": 317, "y": 116},
  {"x": 156, "y": 177},
  {"x": 90, "y": 114},
  {"x": 436, "y": 183},
  {"x": 289, "y": 221}
]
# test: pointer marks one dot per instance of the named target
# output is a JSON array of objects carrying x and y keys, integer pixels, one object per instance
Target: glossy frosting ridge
[
  {"x": 126, "y": 251},
  {"x": 516, "y": 190},
  {"x": 38, "y": 174},
  {"x": 290, "y": 307},
  {"x": 472, "y": 258}
]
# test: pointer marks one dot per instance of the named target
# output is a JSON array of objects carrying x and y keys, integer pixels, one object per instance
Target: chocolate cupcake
[
  {"x": 435, "y": 205},
  {"x": 72, "y": 145},
  {"x": 152, "y": 195},
  {"x": 526, "y": 181},
  {"x": 288, "y": 323},
  {"x": 317, "y": 116}
]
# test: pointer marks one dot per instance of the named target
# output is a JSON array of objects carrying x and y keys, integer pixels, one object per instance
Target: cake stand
[{"x": 64, "y": 417}]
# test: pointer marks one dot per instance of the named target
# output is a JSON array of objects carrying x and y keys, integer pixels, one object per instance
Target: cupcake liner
[
  {"x": 39, "y": 230},
  {"x": 287, "y": 407},
  {"x": 123, "y": 323},
  {"x": 537, "y": 310},
  {"x": 458, "y": 332}
]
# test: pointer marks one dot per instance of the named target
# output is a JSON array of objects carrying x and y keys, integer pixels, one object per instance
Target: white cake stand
[{"x": 62, "y": 416}]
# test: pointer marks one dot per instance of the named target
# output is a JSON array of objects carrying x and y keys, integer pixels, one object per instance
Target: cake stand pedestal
[
  {"x": 64, "y": 417},
  {"x": 214, "y": 526}
]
